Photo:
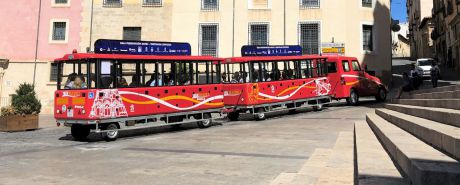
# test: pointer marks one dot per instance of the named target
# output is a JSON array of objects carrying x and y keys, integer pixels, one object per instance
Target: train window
[
  {"x": 321, "y": 67},
  {"x": 356, "y": 66},
  {"x": 73, "y": 75},
  {"x": 201, "y": 73},
  {"x": 168, "y": 74},
  {"x": 92, "y": 75},
  {"x": 331, "y": 67},
  {"x": 306, "y": 68},
  {"x": 267, "y": 71},
  {"x": 127, "y": 74},
  {"x": 236, "y": 73},
  {"x": 256, "y": 71},
  {"x": 184, "y": 75},
  {"x": 215, "y": 73},
  {"x": 150, "y": 75},
  {"x": 345, "y": 65}
]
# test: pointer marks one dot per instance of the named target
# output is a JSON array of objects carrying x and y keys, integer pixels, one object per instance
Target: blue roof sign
[
  {"x": 104, "y": 46},
  {"x": 288, "y": 50}
]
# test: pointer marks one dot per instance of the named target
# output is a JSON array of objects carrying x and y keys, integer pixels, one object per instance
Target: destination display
[
  {"x": 287, "y": 50},
  {"x": 104, "y": 46}
]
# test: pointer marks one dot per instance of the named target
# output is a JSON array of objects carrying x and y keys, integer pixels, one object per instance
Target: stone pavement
[{"x": 243, "y": 152}]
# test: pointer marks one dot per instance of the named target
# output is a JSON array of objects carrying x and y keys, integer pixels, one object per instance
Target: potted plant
[{"x": 23, "y": 112}]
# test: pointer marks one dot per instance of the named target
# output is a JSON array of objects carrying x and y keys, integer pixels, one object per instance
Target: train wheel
[
  {"x": 291, "y": 108},
  {"x": 233, "y": 116},
  {"x": 354, "y": 98},
  {"x": 318, "y": 107},
  {"x": 79, "y": 132},
  {"x": 112, "y": 132},
  {"x": 207, "y": 121},
  {"x": 260, "y": 114}
]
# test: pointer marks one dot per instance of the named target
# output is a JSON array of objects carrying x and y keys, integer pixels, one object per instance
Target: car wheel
[
  {"x": 353, "y": 99},
  {"x": 381, "y": 95}
]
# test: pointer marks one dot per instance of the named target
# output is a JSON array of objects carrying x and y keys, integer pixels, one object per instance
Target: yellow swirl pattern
[
  {"x": 175, "y": 97},
  {"x": 285, "y": 91}
]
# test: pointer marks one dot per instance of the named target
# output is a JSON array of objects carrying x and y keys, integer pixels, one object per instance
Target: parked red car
[{"x": 350, "y": 81}]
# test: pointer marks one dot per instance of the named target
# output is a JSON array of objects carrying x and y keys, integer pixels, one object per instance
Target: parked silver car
[{"x": 423, "y": 66}]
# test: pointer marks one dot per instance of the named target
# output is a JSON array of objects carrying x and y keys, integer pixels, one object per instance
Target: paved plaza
[{"x": 242, "y": 152}]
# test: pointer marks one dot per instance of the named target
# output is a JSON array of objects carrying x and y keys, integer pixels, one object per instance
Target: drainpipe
[
  {"x": 284, "y": 41},
  {"x": 36, "y": 41},
  {"x": 91, "y": 27},
  {"x": 233, "y": 31}
]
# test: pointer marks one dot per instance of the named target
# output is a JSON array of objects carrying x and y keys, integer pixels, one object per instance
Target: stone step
[
  {"x": 438, "y": 89},
  {"x": 442, "y": 115},
  {"x": 340, "y": 167},
  {"x": 423, "y": 164},
  {"x": 442, "y": 136},
  {"x": 440, "y": 103},
  {"x": 313, "y": 168},
  {"x": 374, "y": 166},
  {"x": 434, "y": 95},
  {"x": 284, "y": 179}
]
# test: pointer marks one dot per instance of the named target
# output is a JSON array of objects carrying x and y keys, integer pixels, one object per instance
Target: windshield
[{"x": 425, "y": 62}]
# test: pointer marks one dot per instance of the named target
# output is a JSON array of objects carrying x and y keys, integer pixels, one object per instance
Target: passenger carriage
[
  {"x": 127, "y": 91},
  {"x": 283, "y": 80}
]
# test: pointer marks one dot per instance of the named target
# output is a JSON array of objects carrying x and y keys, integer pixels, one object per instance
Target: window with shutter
[
  {"x": 258, "y": 34},
  {"x": 132, "y": 33},
  {"x": 309, "y": 37},
  {"x": 209, "y": 39}
]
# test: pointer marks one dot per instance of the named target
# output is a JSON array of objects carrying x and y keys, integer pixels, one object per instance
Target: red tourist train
[{"x": 136, "y": 84}]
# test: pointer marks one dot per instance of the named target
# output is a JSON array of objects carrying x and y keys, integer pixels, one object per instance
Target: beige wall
[{"x": 179, "y": 20}]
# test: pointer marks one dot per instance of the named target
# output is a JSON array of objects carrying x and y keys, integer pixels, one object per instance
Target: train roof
[
  {"x": 81, "y": 56},
  {"x": 272, "y": 58}
]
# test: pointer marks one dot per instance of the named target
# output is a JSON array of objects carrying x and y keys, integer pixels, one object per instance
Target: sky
[{"x": 398, "y": 10}]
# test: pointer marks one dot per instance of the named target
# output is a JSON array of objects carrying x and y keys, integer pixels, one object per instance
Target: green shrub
[{"x": 25, "y": 100}]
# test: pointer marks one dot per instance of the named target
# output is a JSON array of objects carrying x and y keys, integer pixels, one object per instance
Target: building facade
[
  {"x": 220, "y": 28},
  {"x": 446, "y": 19},
  {"x": 36, "y": 34},
  {"x": 212, "y": 27},
  {"x": 401, "y": 44},
  {"x": 421, "y": 43}
]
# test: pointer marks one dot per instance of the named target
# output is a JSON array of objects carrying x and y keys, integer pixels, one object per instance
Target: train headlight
[
  {"x": 83, "y": 111},
  {"x": 58, "y": 111}
]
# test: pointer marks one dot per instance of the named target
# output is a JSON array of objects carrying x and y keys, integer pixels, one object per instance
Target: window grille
[
  {"x": 309, "y": 37},
  {"x": 132, "y": 33},
  {"x": 60, "y": 1},
  {"x": 258, "y": 34},
  {"x": 209, "y": 39},
  {"x": 54, "y": 72},
  {"x": 209, "y": 4},
  {"x": 367, "y": 38},
  {"x": 367, "y": 3},
  {"x": 309, "y": 3},
  {"x": 112, "y": 3},
  {"x": 152, "y": 3},
  {"x": 59, "y": 30}
]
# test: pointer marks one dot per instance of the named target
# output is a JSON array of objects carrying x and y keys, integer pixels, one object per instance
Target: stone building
[
  {"x": 419, "y": 12},
  {"x": 446, "y": 35},
  {"x": 220, "y": 28},
  {"x": 32, "y": 36},
  {"x": 212, "y": 27}
]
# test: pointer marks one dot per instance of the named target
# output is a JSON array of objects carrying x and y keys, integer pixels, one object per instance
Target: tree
[{"x": 25, "y": 100}]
